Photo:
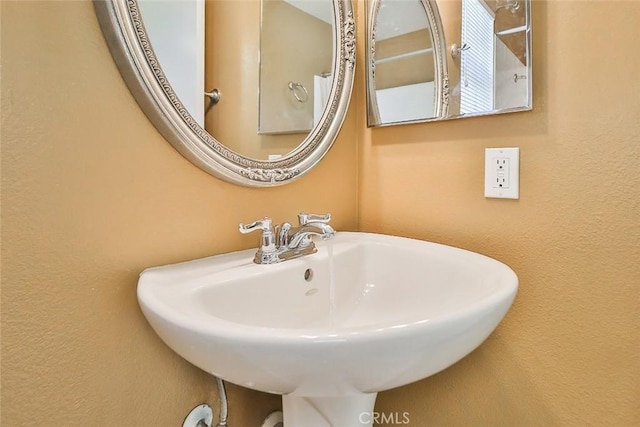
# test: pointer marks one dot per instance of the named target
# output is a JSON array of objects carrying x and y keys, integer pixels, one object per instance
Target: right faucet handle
[{"x": 305, "y": 218}]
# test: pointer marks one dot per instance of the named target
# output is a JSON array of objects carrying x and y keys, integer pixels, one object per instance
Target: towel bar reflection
[{"x": 299, "y": 91}]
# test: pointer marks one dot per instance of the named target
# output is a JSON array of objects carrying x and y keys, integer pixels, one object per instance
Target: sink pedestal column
[{"x": 335, "y": 411}]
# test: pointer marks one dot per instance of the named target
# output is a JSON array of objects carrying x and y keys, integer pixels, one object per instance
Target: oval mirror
[{"x": 253, "y": 92}]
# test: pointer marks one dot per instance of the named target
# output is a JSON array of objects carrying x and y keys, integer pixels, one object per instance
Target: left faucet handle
[
  {"x": 267, "y": 240},
  {"x": 305, "y": 218},
  {"x": 263, "y": 224}
]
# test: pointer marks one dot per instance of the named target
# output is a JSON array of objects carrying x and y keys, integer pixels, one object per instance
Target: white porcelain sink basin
[{"x": 329, "y": 332}]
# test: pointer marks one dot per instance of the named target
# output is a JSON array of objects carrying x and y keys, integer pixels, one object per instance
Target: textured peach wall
[
  {"x": 567, "y": 352},
  {"x": 91, "y": 195}
]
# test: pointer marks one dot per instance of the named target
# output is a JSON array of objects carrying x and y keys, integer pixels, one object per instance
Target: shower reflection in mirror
[{"x": 481, "y": 47}]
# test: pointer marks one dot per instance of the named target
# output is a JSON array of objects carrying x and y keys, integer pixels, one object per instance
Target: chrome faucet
[{"x": 284, "y": 241}]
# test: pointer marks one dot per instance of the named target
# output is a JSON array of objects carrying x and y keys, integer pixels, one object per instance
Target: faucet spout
[{"x": 301, "y": 236}]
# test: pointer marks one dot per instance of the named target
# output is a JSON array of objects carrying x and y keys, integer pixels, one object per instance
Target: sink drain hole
[{"x": 308, "y": 274}]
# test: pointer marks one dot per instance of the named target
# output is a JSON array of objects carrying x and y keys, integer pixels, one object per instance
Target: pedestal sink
[{"x": 328, "y": 331}]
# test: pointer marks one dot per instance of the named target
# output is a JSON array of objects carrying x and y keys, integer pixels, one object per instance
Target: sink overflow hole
[{"x": 308, "y": 274}]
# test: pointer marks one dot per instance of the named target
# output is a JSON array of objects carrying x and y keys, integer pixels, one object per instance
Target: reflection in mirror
[
  {"x": 177, "y": 30},
  {"x": 215, "y": 124},
  {"x": 295, "y": 64},
  {"x": 488, "y": 61},
  {"x": 407, "y": 78},
  {"x": 292, "y": 43},
  {"x": 204, "y": 48}
]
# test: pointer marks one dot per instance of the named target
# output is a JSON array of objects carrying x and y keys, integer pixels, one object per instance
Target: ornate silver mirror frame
[
  {"x": 441, "y": 92},
  {"x": 127, "y": 39}
]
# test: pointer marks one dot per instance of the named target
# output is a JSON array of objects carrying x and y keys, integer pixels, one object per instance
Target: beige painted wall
[
  {"x": 567, "y": 352},
  {"x": 91, "y": 195}
]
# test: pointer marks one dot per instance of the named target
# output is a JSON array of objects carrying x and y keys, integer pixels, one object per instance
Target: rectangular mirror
[{"x": 443, "y": 59}]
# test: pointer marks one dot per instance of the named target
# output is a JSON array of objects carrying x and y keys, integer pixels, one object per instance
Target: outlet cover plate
[{"x": 502, "y": 173}]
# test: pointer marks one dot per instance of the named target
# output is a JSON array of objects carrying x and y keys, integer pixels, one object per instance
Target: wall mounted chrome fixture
[
  {"x": 517, "y": 77},
  {"x": 456, "y": 50},
  {"x": 214, "y": 98}
]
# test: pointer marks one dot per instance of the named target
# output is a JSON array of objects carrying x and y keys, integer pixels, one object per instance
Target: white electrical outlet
[{"x": 501, "y": 173}]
